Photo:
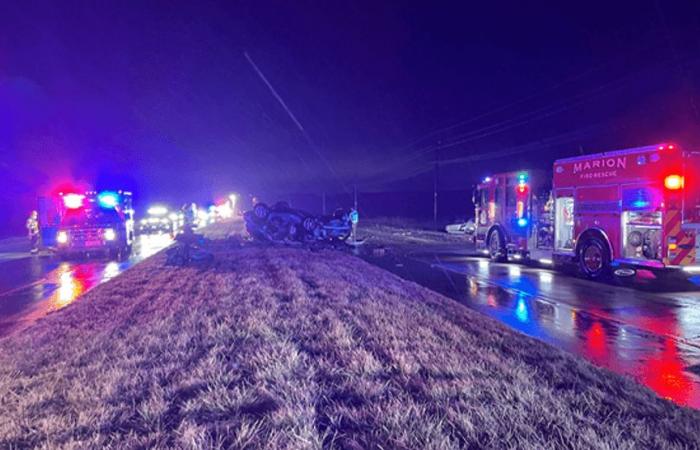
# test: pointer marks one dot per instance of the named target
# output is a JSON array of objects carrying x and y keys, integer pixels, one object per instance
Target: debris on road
[
  {"x": 189, "y": 249},
  {"x": 462, "y": 228}
]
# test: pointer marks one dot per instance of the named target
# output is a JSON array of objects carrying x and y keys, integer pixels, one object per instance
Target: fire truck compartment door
[{"x": 564, "y": 223}]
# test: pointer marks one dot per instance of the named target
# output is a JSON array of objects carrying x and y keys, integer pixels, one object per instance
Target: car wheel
[{"x": 261, "y": 211}]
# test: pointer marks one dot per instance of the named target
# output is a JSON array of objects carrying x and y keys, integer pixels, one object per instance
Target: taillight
[{"x": 673, "y": 182}]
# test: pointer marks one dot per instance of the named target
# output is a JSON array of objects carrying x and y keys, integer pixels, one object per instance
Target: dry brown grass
[{"x": 287, "y": 348}]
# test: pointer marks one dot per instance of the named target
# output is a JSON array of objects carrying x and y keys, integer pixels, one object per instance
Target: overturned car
[{"x": 283, "y": 224}]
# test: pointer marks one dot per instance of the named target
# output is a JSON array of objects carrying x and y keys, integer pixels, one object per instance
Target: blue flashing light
[
  {"x": 522, "y": 177},
  {"x": 521, "y": 310},
  {"x": 522, "y": 222},
  {"x": 108, "y": 199},
  {"x": 639, "y": 199}
]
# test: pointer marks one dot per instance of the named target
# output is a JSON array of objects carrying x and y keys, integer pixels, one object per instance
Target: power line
[{"x": 295, "y": 120}]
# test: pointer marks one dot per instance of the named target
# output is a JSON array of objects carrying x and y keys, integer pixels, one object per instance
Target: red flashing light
[
  {"x": 73, "y": 201},
  {"x": 670, "y": 147},
  {"x": 661, "y": 147},
  {"x": 522, "y": 188},
  {"x": 674, "y": 182}
]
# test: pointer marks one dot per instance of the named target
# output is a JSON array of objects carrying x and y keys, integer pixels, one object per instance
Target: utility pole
[
  {"x": 354, "y": 193},
  {"x": 435, "y": 187}
]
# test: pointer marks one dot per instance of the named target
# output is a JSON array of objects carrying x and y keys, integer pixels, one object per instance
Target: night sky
[{"x": 159, "y": 97}]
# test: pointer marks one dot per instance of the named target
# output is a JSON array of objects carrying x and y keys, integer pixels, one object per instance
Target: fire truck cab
[
  {"x": 634, "y": 212},
  {"x": 93, "y": 223}
]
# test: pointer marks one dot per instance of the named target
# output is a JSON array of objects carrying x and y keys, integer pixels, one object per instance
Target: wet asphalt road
[
  {"x": 33, "y": 286},
  {"x": 653, "y": 337}
]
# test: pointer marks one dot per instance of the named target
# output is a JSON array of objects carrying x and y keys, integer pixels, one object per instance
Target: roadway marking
[
  {"x": 12, "y": 256},
  {"x": 26, "y": 286}
]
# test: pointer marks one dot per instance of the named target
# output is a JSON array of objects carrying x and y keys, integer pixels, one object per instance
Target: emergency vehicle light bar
[
  {"x": 108, "y": 199},
  {"x": 73, "y": 201}
]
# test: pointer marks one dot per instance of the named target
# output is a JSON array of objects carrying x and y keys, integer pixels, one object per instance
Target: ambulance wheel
[
  {"x": 594, "y": 258},
  {"x": 497, "y": 248}
]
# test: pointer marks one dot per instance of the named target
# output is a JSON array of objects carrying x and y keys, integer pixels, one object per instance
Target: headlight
[
  {"x": 62, "y": 237},
  {"x": 110, "y": 235}
]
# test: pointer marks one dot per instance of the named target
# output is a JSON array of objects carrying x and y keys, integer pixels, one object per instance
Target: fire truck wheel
[
  {"x": 497, "y": 249},
  {"x": 594, "y": 258}
]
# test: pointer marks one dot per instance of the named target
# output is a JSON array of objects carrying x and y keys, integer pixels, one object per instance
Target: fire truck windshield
[{"x": 91, "y": 216}]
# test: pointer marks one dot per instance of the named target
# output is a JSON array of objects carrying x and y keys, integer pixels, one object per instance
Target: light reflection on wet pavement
[
  {"x": 33, "y": 287},
  {"x": 653, "y": 337}
]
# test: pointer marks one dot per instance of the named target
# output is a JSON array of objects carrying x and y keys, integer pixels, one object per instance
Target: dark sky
[{"x": 159, "y": 97}]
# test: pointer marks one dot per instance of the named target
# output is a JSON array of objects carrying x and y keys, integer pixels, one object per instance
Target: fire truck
[
  {"x": 631, "y": 212},
  {"x": 88, "y": 223}
]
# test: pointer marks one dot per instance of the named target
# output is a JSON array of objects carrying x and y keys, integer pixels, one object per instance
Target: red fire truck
[{"x": 634, "y": 212}]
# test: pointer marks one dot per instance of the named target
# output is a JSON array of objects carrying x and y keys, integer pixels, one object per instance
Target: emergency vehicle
[
  {"x": 158, "y": 221},
  {"x": 88, "y": 224},
  {"x": 634, "y": 212}
]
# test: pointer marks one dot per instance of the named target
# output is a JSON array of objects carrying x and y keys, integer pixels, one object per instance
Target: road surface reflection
[
  {"x": 34, "y": 287},
  {"x": 654, "y": 338}
]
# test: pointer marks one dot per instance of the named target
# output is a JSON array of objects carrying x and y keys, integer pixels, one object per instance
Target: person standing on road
[{"x": 33, "y": 231}]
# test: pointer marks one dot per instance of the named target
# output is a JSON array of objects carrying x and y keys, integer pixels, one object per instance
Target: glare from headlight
[
  {"x": 110, "y": 235},
  {"x": 62, "y": 237}
]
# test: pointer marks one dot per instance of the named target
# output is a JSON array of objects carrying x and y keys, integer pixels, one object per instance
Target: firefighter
[
  {"x": 33, "y": 231},
  {"x": 189, "y": 217}
]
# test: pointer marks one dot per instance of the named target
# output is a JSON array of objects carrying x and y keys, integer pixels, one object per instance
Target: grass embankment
[{"x": 286, "y": 348}]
